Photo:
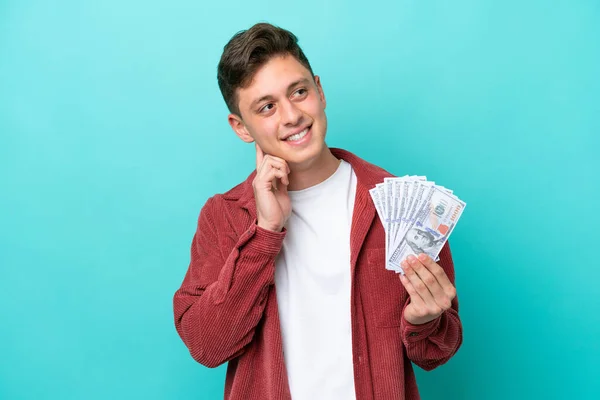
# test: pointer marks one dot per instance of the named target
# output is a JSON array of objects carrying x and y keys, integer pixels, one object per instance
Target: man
[{"x": 287, "y": 279}]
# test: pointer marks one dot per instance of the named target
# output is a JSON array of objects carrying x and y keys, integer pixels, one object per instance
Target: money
[{"x": 418, "y": 216}]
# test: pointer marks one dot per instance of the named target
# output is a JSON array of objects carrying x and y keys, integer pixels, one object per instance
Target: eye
[
  {"x": 300, "y": 92},
  {"x": 266, "y": 107}
]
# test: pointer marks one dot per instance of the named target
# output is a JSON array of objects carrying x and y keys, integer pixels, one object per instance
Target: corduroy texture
[{"x": 226, "y": 307}]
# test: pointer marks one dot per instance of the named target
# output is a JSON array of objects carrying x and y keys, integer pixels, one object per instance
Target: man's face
[
  {"x": 416, "y": 237},
  {"x": 283, "y": 110}
]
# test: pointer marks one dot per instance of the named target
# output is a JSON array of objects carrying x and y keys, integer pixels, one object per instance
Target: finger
[
  {"x": 260, "y": 155},
  {"x": 281, "y": 181},
  {"x": 430, "y": 281},
  {"x": 284, "y": 188},
  {"x": 415, "y": 298},
  {"x": 273, "y": 175},
  {"x": 279, "y": 164},
  {"x": 278, "y": 160},
  {"x": 440, "y": 275},
  {"x": 267, "y": 176},
  {"x": 285, "y": 180},
  {"x": 420, "y": 287},
  {"x": 271, "y": 163}
]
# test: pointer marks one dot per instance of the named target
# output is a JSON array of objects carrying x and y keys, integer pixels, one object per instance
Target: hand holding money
[
  {"x": 273, "y": 205},
  {"x": 431, "y": 292},
  {"x": 418, "y": 216}
]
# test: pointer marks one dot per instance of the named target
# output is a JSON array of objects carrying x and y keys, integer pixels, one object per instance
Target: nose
[{"x": 290, "y": 114}]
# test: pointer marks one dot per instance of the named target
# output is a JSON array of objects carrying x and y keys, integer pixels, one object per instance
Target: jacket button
[{"x": 413, "y": 334}]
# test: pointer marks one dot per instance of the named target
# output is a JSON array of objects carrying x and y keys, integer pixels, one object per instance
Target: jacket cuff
[
  {"x": 265, "y": 241},
  {"x": 413, "y": 333}
]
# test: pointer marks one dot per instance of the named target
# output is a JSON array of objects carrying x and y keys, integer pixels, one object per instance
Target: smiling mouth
[{"x": 297, "y": 136}]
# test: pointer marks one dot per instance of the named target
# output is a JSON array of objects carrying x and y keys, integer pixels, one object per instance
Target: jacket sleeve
[
  {"x": 432, "y": 344},
  {"x": 223, "y": 296}
]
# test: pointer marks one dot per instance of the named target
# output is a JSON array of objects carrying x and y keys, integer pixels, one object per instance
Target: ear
[
  {"x": 320, "y": 90},
  {"x": 238, "y": 126}
]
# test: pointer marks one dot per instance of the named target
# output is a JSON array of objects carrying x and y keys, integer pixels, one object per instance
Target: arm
[
  {"x": 222, "y": 299},
  {"x": 433, "y": 343}
]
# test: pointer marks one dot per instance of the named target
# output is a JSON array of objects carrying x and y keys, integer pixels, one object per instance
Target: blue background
[{"x": 113, "y": 134}]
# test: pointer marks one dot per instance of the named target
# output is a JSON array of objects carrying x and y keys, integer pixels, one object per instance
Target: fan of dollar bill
[{"x": 418, "y": 217}]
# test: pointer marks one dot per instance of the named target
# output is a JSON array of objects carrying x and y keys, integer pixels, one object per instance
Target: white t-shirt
[{"x": 312, "y": 281}]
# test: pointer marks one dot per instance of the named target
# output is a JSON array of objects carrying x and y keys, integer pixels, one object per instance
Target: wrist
[
  {"x": 269, "y": 227},
  {"x": 419, "y": 320}
]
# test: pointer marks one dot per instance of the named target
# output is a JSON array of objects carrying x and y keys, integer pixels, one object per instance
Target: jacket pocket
[{"x": 385, "y": 295}]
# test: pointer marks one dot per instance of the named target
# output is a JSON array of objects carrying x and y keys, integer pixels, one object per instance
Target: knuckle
[
  {"x": 452, "y": 293},
  {"x": 437, "y": 270},
  {"x": 435, "y": 310},
  {"x": 420, "y": 286},
  {"x": 429, "y": 280},
  {"x": 420, "y": 312},
  {"x": 446, "y": 303}
]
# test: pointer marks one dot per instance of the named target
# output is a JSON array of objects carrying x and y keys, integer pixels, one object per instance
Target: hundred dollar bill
[
  {"x": 389, "y": 195},
  {"x": 411, "y": 198},
  {"x": 411, "y": 191},
  {"x": 379, "y": 200},
  {"x": 386, "y": 211},
  {"x": 403, "y": 206},
  {"x": 381, "y": 188},
  {"x": 433, "y": 225},
  {"x": 401, "y": 200},
  {"x": 421, "y": 195},
  {"x": 394, "y": 199},
  {"x": 378, "y": 206}
]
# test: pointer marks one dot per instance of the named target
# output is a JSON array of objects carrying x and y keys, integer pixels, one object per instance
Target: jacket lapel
[
  {"x": 362, "y": 218},
  {"x": 367, "y": 176}
]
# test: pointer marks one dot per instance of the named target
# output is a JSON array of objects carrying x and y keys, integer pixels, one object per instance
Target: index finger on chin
[{"x": 260, "y": 155}]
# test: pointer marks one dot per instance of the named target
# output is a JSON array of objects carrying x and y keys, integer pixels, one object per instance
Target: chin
[{"x": 306, "y": 156}]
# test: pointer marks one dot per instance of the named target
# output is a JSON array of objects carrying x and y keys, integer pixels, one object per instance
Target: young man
[{"x": 287, "y": 280}]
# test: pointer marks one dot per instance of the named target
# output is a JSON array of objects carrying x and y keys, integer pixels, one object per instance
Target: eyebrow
[{"x": 270, "y": 97}]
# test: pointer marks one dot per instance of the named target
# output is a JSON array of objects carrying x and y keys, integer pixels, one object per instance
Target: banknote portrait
[{"x": 421, "y": 241}]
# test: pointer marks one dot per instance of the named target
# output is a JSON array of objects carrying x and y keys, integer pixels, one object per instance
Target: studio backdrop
[{"x": 113, "y": 134}]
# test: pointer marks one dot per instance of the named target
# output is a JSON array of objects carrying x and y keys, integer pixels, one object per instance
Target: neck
[{"x": 305, "y": 176}]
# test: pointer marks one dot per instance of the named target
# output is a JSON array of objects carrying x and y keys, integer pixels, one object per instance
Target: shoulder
[
  {"x": 219, "y": 205},
  {"x": 367, "y": 172}
]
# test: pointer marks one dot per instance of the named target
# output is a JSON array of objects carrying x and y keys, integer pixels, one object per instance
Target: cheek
[
  {"x": 270, "y": 127},
  {"x": 313, "y": 107},
  {"x": 263, "y": 127},
  {"x": 266, "y": 133}
]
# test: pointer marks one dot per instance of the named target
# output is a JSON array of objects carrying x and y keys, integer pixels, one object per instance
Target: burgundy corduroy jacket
[{"x": 226, "y": 307}]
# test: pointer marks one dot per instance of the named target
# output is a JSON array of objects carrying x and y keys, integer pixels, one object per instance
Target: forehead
[{"x": 273, "y": 79}]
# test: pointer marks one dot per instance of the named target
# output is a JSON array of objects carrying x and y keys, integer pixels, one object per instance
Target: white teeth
[{"x": 297, "y": 136}]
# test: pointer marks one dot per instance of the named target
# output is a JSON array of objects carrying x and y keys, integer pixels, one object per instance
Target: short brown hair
[{"x": 247, "y": 51}]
